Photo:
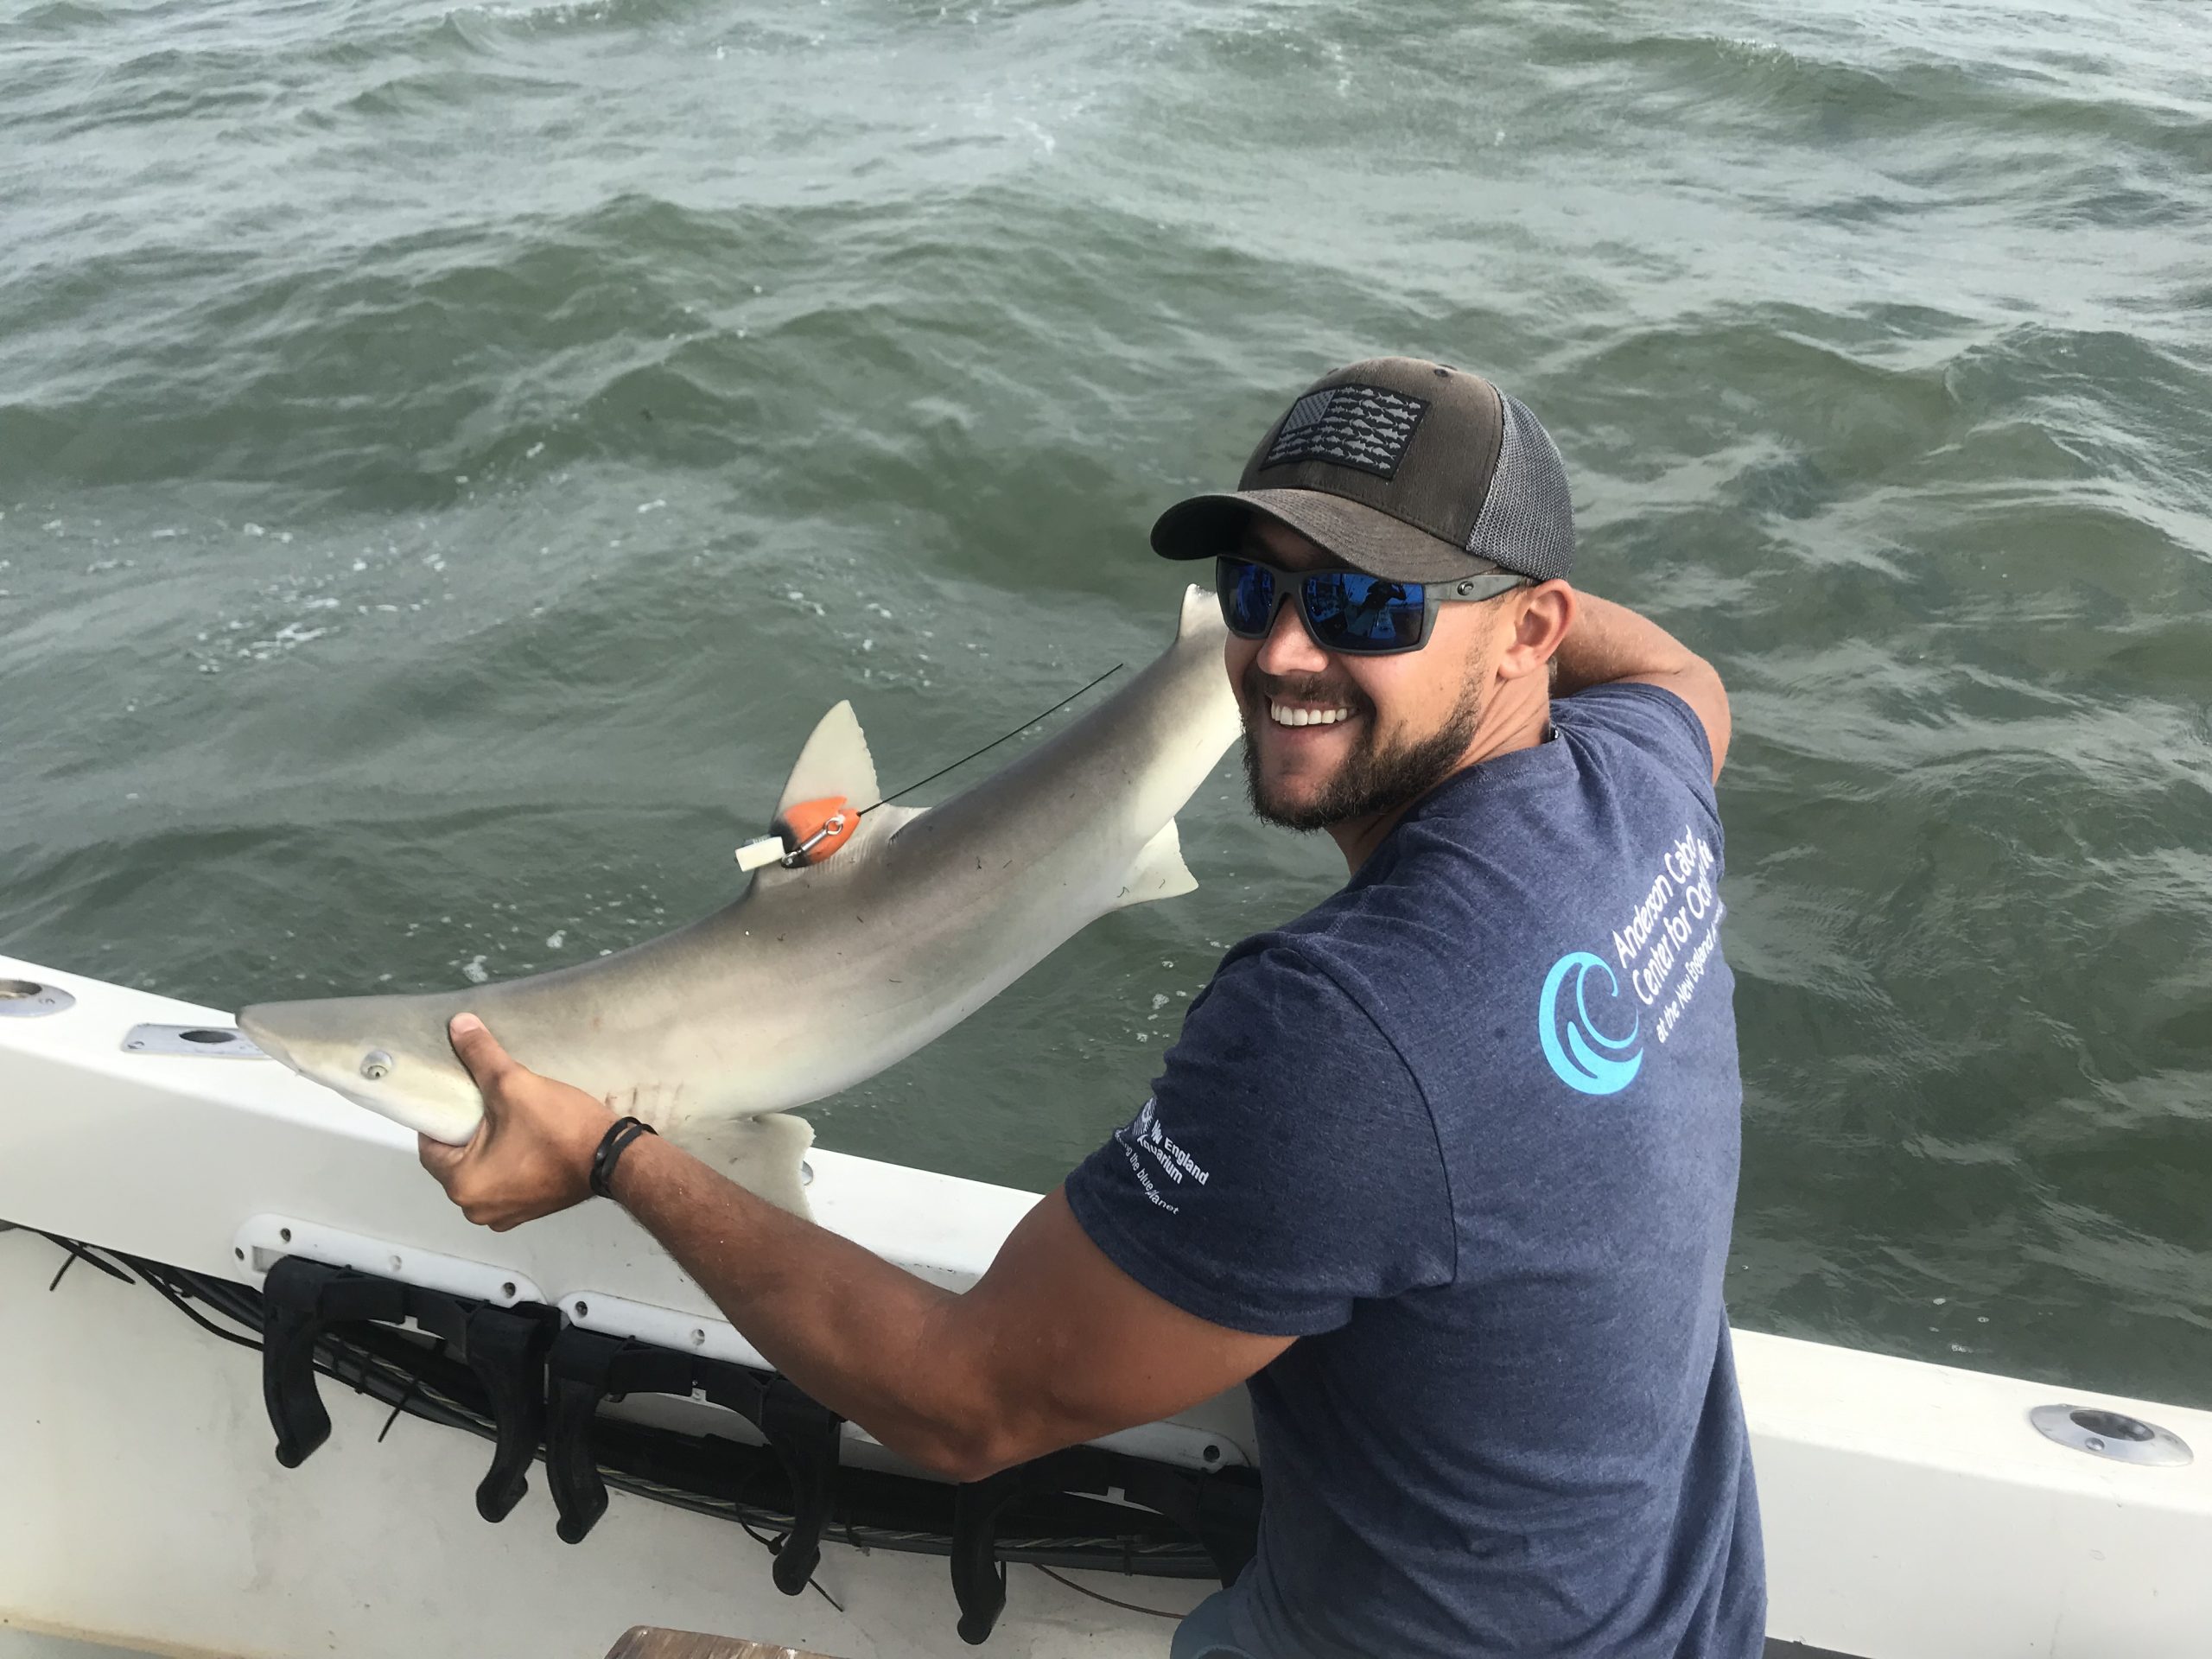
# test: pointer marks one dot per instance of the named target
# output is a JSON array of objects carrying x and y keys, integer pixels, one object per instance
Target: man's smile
[{"x": 1307, "y": 714}]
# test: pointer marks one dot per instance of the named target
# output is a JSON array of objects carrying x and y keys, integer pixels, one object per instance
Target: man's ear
[{"x": 1538, "y": 619}]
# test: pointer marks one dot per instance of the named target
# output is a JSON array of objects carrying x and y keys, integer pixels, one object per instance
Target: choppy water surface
[{"x": 449, "y": 456}]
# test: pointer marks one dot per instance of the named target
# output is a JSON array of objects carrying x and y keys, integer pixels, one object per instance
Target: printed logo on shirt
[
  {"x": 1594, "y": 1064},
  {"x": 1160, "y": 1156},
  {"x": 1663, "y": 947}
]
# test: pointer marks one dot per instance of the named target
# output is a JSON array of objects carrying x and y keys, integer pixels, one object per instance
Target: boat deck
[{"x": 30, "y": 1644}]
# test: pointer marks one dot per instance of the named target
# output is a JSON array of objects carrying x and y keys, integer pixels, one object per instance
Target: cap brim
[{"x": 1364, "y": 538}]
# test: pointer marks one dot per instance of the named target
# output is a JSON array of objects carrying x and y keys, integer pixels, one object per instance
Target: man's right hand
[
  {"x": 1609, "y": 643},
  {"x": 531, "y": 1154}
]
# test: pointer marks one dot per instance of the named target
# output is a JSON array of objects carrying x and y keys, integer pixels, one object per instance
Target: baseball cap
[{"x": 1400, "y": 468}]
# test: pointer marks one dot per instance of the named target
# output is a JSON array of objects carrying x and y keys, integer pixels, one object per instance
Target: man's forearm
[
  {"x": 865, "y": 1339},
  {"x": 962, "y": 1384},
  {"x": 1610, "y": 642}
]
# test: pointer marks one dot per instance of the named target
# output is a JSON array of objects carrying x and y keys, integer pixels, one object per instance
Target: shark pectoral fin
[
  {"x": 1159, "y": 871},
  {"x": 835, "y": 761},
  {"x": 761, "y": 1154}
]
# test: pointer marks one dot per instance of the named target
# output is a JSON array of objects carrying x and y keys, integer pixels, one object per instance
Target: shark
[{"x": 818, "y": 976}]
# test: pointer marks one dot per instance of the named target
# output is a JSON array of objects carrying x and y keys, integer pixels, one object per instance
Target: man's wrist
[
  {"x": 629, "y": 1168},
  {"x": 612, "y": 1149}
]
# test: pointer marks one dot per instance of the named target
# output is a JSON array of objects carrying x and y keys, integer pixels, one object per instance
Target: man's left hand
[{"x": 531, "y": 1154}]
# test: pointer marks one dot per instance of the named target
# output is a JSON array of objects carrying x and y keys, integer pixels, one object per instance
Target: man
[{"x": 1444, "y": 1168}]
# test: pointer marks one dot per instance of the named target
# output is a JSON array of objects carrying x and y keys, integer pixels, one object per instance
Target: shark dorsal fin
[
  {"x": 835, "y": 761},
  {"x": 1201, "y": 613}
]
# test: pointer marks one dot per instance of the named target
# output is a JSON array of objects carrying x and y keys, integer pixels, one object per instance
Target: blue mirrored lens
[
  {"x": 1248, "y": 596},
  {"x": 1359, "y": 611}
]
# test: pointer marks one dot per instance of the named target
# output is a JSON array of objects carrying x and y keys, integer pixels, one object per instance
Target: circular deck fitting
[
  {"x": 26, "y": 999},
  {"x": 2106, "y": 1433}
]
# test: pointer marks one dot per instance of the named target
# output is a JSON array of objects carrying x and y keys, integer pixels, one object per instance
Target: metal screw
[{"x": 284, "y": 1233}]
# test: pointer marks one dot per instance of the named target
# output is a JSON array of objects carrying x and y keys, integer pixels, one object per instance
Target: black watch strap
[{"x": 612, "y": 1145}]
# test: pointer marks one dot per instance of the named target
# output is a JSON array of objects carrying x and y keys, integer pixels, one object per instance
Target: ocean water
[{"x": 450, "y": 455}]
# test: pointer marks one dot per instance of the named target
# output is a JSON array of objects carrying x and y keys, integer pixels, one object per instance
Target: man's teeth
[{"x": 1284, "y": 714}]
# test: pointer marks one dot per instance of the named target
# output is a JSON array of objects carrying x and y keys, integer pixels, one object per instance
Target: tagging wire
[
  {"x": 996, "y": 741},
  {"x": 808, "y": 832}
]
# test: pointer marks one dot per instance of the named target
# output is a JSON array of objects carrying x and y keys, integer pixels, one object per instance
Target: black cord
[
  {"x": 198, "y": 1319},
  {"x": 399, "y": 1405},
  {"x": 775, "y": 1547},
  {"x": 394, "y": 1379},
  {"x": 79, "y": 1253},
  {"x": 1126, "y": 1606}
]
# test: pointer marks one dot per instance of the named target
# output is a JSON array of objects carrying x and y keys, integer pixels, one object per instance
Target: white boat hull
[{"x": 1912, "y": 1512}]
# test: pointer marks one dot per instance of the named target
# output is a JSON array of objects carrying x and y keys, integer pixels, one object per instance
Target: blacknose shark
[{"x": 817, "y": 977}]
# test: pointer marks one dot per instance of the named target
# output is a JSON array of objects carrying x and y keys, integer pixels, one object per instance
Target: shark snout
[
  {"x": 389, "y": 1054},
  {"x": 258, "y": 1033}
]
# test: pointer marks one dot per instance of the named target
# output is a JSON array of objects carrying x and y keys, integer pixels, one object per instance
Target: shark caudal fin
[
  {"x": 835, "y": 761},
  {"x": 1158, "y": 873}
]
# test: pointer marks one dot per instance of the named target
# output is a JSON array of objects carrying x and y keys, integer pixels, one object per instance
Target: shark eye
[{"x": 376, "y": 1065}]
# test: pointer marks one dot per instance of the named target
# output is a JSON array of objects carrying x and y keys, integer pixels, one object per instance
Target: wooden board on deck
[{"x": 644, "y": 1642}]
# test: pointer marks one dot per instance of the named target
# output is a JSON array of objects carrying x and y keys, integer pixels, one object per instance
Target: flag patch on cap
[{"x": 1366, "y": 427}]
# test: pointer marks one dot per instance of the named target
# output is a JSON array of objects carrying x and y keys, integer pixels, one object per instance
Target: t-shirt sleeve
[
  {"x": 1655, "y": 721},
  {"x": 1285, "y": 1167}
]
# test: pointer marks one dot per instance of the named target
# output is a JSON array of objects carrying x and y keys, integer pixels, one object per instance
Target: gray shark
[{"x": 817, "y": 977}]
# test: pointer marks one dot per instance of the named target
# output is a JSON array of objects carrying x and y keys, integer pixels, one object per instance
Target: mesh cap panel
[{"x": 1527, "y": 524}]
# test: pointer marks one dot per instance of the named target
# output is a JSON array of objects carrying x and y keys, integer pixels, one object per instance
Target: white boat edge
[{"x": 1912, "y": 1510}]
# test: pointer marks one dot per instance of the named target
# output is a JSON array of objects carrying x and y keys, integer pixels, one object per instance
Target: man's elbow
[
  {"x": 977, "y": 1460},
  {"x": 1712, "y": 708},
  {"x": 972, "y": 1451}
]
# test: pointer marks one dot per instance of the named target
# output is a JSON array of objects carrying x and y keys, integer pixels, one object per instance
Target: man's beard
[{"x": 1371, "y": 781}]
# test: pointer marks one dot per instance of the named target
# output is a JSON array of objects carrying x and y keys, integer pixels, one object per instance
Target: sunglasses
[{"x": 1344, "y": 611}]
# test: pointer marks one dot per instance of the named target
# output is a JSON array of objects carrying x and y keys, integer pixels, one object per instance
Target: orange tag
[{"x": 818, "y": 828}]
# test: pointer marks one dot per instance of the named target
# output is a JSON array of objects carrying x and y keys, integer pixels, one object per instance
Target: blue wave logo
[{"x": 1587, "y": 1060}]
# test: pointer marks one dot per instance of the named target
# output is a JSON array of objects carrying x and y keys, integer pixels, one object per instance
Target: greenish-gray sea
[{"x": 450, "y": 454}]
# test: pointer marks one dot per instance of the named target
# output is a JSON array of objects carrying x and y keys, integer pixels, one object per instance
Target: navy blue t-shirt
[{"x": 1469, "y": 1130}]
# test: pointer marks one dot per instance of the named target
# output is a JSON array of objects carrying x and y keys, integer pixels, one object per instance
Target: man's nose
[{"x": 1288, "y": 649}]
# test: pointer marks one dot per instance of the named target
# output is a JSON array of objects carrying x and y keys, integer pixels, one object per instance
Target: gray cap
[{"x": 1403, "y": 469}]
